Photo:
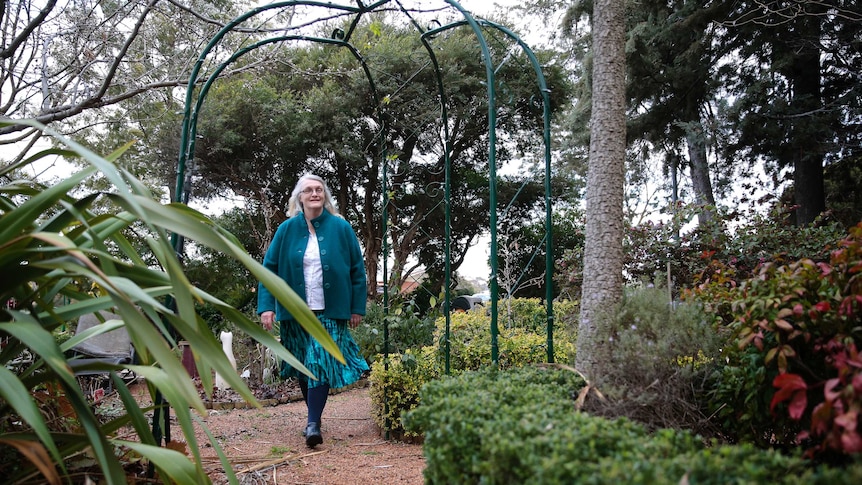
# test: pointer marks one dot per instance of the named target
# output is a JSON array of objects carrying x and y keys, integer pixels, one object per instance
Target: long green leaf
[
  {"x": 172, "y": 463},
  {"x": 28, "y": 331},
  {"x": 25, "y": 215},
  {"x": 74, "y": 310},
  {"x": 133, "y": 411},
  {"x": 14, "y": 393},
  {"x": 182, "y": 395},
  {"x": 149, "y": 341},
  {"x": 103, "y": 164},
  {"x": 72, "y": 215}
]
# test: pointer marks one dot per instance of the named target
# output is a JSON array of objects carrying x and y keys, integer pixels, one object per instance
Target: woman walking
[{"x": 317, "y": 253}]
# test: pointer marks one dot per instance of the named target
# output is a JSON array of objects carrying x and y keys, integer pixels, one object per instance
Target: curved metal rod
[
  {"x": 212, "y": 78},
  {"x": 549, "y": 226},
  {"x": 189, "y": 122},
  {"x": 494, "y": 283},
  {"x": 193, "y": 77}
]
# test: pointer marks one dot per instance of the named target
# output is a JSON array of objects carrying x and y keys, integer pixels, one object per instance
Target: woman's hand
[
  {"x": 267, "y": 319},
  {"x": 355, "y": 320}
]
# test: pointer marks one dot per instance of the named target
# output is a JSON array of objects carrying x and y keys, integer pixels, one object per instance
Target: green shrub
[
  {"x": 658, "y": 355},
  {"x": 798, "y": 332},
  {"x": 520, "y": 426},
  {"x": 395, "y": 385},
  {"x": 829, "y": 475},
  {"x": 457, "y": 416}
]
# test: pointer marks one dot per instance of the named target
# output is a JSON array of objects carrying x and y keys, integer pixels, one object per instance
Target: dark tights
[
  {"x": 303, "y": 386},
  {"x": 315, "y": 400}
]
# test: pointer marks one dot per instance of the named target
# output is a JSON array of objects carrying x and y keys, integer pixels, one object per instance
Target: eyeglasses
[{"x": 310, "y": 190}]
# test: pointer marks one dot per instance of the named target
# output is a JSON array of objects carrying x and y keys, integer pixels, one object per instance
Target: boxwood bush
[{"x": 521, "y": 426}]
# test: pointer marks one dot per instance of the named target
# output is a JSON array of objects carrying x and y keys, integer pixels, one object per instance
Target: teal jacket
[{"x": 344, "y": 286}]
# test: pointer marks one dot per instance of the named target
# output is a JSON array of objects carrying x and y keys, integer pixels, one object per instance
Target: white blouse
[{"x": 313, "y": 273}]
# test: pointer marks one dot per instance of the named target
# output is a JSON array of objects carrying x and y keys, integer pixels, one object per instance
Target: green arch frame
[{"x": 192, "y": 108}]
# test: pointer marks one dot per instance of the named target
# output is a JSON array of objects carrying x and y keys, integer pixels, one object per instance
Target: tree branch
[{"x": 36, "y": 22}]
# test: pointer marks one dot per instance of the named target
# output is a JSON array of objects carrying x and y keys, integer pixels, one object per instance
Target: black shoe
[
  {"x": 312, "y": 435},
  {"x": 305, "y": 430}
]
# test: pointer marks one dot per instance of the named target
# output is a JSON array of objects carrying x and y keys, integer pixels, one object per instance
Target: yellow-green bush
[
  {"x": 470, "y": 342},
  {"x": 395, "y": 388},
  {"x": 395, "y": 385}
]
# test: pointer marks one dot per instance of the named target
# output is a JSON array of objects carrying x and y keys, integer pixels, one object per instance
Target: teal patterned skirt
[{"x": 312, "y": 355}]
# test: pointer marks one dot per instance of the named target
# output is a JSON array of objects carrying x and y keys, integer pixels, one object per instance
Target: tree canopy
[{"x": 315, "y": 111}]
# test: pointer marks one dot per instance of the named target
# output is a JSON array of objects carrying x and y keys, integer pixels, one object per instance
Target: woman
[{"x": 316, "y": 252}]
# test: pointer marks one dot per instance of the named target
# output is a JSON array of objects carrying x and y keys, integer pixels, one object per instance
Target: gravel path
[{"x": 266, "y": 446}]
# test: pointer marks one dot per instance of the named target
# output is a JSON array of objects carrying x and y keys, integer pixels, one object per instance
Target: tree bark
[
  {"x": 603, "y": 251},
  {"x": 807, "y": 155},
  {"x": 699, "y": 169}
]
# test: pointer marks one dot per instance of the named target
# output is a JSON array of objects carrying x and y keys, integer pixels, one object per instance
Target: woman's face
[{"x": 312, "y": 195}]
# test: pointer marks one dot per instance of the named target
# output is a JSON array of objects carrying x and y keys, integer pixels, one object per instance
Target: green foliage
[
  {"x": 396, "y": 383},
  {"x": 407, "y": 329},
  {"x": 757, "y": 239},
  {"x": 519, "y": 426},
  {"x": 658, "y": 354},
  {"x": 52, "y": 245},
  {"x": 791, "y": 378}
]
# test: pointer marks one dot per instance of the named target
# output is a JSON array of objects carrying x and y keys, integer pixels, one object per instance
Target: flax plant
[{"x": 51, "y": 240}]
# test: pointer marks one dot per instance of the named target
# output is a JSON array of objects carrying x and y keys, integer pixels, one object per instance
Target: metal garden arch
[{"x": 198, "y": 88}]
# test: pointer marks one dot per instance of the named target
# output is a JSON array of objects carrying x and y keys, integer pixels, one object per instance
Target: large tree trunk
[
  {"x": 807, "y": 156},
  {"x": 603, "y": 251},
  {"x": 699, "y": 167},
  {"x": 370, "y": 229}
]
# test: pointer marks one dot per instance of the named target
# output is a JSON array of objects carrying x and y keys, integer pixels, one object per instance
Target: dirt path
[{"x": 266, "y": 446}]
